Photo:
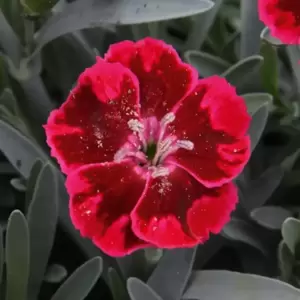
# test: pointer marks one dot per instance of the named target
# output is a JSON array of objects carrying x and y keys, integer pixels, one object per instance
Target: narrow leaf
[
  {"x": 17, "y": 257},
  {"x": 117, "y": 286},
  {"x": 291, "y": 233},
  {"x": 169, "y": 279},
  {"x": 240, "y": 73},
  {"x": 12, "y": 11},
  {"x": 226, "y": 285},
  {"x": 9, "y": 42},
  {"x": 42, "y": 219},
  {"x": 38, "y": 101},
  {"x": 55, "y": 273},
  {"x": 269, "y": 71},
  {"x": 258, "y": 124},
  {"x": 266, "y": 36},
  {"x": 8, "y": 99},
  {"x": 239, "y": 230},
  {"x": 258, "y": 191},
  {"x": 139, "y": 290},
  {"x": 18, "y": 184},
  {"x": 80, "y": 283},
  {"x": 134, "y": 265},
  {"x": 288, "y": 162},
  {"x": 32, "y": 180},
  {"x": 286, "y": 261},
  {"x": 271, "y": 217},
  {"x": 18, "y": 149},
  {"x": 205, "y": 252},
  {"x": 255, "y": 101},
  {"x": 201, "y": 26},
  {"x": 37, "y": 7},
  {"x": 251, "y": 28},
  {"x": 89, "y": 13},
  {"x": 206, "y": 64},
  {"x": 289, "y": 153}
]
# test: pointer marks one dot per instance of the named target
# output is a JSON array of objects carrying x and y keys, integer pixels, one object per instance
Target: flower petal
[
  {"x": 283, "y": 19},
  {"x": 164, "y": 79},
  {"x": 92, "y": 124},
  {"x": 177, "y": 211},
  {"x": 101, "y": 199},
  {"x": 216, "y": 121}
]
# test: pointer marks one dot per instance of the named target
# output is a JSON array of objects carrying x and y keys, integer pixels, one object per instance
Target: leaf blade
[
  {"x": 17, "y": 256},
  {"x": 239, "y": 74},
  {"x": 168, "y": 279},
  {"x": 259, "y": 190},
  {"x": 255, "y": 101},
  {"x": 139, "y": 290},
  {"x": 258, "y": 124},
  {"x": 31, "y": 182},
  {"x": 266, "y": 36},
  {"x": 42, "y": 219},
  {"x": 251, "y": 28},
  {"x": 206, "y": 64},
  {"x": 239, "y": 230},
  {"x": 19, "y": 149},
  {"x": 117, "y": 286},
  {"x": 291, "y": 233},
  {"x": 79, "y": 284},
  {"x": 80, "y": 15},
  {"x": 9, "y": 41},
  {"x": 269, "y": 71},
  {"x": 37, "y": 7},
  {"x": 270, "y": 217},
  {"x": 226, "y": 285}
]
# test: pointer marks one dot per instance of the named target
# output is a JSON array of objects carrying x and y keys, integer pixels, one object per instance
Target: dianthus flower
[
  {"x": 283, "y": 19},
  {"x": 149, "y": 150}
]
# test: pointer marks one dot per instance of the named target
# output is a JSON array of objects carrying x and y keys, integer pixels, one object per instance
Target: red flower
[
  {"x": 150, "y": 151},
  {"x": 283, "y": 19}
]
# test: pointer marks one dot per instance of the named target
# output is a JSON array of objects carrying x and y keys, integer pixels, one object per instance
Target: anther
[
  {"x": 135, "y": 125},
  {"x": 168, "y": 118},
  {"x": 188, "y": 145},
  {"x": 161, "y": 171}
]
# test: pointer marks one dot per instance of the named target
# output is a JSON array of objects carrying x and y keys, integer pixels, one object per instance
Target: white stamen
[
  {"x": 161, "y": 171},
  {"x": 168, "y": 118},
  {"x": 185, "y": 144},
  {"x": 165, "y": 144},
  {"x": 124, "y": 152},
  {"x": 120, "y": 154},
  {"x": 135, "y": 125},
  {"x": 188, "y": 145},
  {"x": 162, "y": 147}
]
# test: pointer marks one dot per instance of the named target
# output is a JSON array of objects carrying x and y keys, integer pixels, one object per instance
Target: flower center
[
  {"x": 151, "y": 150},
  {"x": 151, "y": 143}
]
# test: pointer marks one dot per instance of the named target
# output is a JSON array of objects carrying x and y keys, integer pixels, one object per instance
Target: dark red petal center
[{"x": 291, "y": 6}]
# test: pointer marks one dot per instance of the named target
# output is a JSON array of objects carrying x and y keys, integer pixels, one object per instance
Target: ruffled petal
[
  {"x": 177, "y": 211},
  {"x": 164, "y": 79},
  {"x": 101, "y": 199},
  {"x": 283, "y": 19},
  {"x": 216, "y": 121},
  {"x": 92, "y": 124}
]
